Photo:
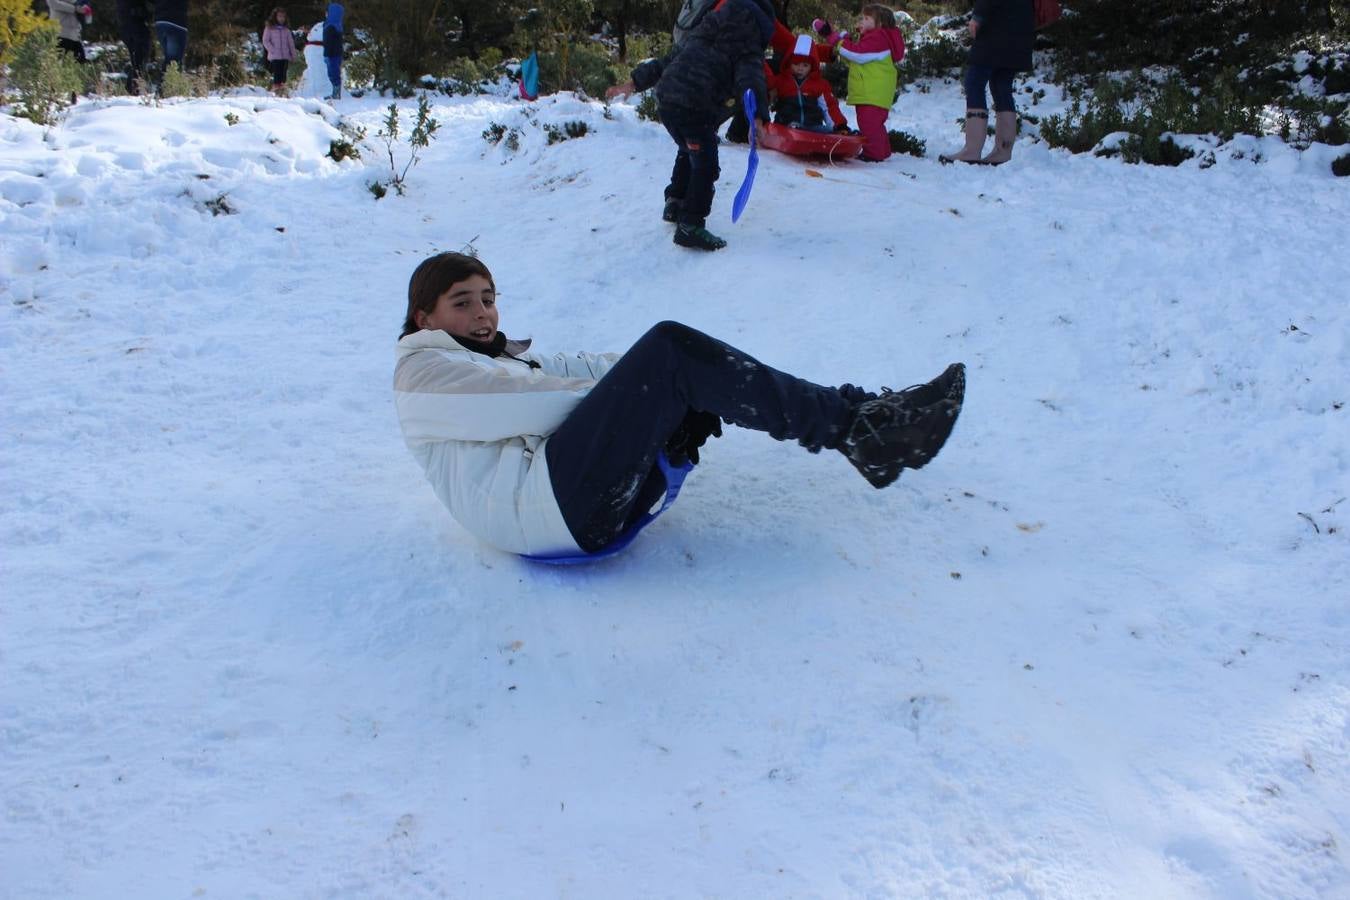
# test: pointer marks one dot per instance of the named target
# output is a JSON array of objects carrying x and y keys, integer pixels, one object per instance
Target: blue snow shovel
[{"x": 743, "y": 194}]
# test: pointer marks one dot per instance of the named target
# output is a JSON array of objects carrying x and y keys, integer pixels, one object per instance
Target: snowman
[{"x": 314, "y": 82}]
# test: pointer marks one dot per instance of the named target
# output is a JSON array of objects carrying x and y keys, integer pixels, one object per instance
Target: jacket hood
[
  {"x": 803, "y": 50},
  {"x": 896, "y": 41},
  {"x": 764, "y": 17},
  {"x": 334, "y": 16}
]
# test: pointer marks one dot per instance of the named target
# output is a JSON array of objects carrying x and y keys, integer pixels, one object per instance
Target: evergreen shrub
[
  {"x": 577, "y": 65},
  {"x": 44, "y": 75},
  {"x": 904, "y": 142},
  {"x": 1149, "y": 110}
]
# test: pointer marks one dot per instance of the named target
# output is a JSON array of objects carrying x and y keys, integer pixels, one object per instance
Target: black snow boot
[
  {"x": 698, "y": 237},
  {"x": 904, "y": 429},
  {"x": 674, "y": 206}
]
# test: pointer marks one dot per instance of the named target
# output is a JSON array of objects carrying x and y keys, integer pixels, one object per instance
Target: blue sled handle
[{"x": 674, "y": 476}]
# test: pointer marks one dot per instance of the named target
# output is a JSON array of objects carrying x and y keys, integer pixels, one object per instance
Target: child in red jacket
[{"x": 800, "y": 95}]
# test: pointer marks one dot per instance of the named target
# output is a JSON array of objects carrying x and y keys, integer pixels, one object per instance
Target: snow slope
[{"x": 1100, "y": 648}]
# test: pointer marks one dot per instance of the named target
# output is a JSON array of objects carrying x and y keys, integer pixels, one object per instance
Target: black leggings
[
  {"x": 602, "y": 459},
  {"x": 278, "y": 67}
]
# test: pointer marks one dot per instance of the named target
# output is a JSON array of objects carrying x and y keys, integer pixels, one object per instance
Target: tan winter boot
[
  {"x": 1005, "y": 135},
  {"x": 977, "y": 129}
]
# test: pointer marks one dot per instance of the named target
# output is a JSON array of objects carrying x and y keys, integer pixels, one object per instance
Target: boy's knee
[{"x": 668, "y": 330}]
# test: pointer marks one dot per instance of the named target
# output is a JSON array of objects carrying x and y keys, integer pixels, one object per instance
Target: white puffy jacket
[
  {"x": 478, "y": 426},
  {"x": 67, "y": 16}
]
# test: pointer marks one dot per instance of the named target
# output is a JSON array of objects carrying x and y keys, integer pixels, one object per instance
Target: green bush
[
  {"x": 1149, "y": 110},
  {"x": 341, "y": 148},
  {"x": 577, "y": 65},
  {"x": 176, "y": 83},
  {"x": 1340, "y": 166},
  {"x": 648, "y": 109},
  {"x": 939, "y": 57},
  {"x": 566, "y": 131},
  {"x": 45, "y": 77},
  {"x": 1307, "y": 120},
  {"x": 463, "y": 76},
  {"x": 904, "y": 142}
]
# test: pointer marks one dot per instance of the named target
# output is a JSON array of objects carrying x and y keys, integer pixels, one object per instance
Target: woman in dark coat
[{"x": 1004, "y": 31}]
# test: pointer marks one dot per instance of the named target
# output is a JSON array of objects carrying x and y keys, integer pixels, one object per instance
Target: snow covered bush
[
  {"x": 1340, "y": 166},
  {"x": 566, "y": 131},
  {"x": 904, "y": 142},
  {"x": 1150, "y": 109}
]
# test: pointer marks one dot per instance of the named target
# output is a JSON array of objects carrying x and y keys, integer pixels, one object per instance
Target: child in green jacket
[{"x": 871, "y": 59}]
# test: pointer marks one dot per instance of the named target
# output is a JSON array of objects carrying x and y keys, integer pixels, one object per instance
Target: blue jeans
[
  {"x": 334, "y": 64},
  {"x": 172, "y": 41},
  {"x": 602, "y": 459},
  {"x": 694, "y": 176},
  {"x": 1000, "y": 83}
]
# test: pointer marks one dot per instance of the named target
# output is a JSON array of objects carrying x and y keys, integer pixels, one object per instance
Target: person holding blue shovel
[{"x": 698, "y": 85}]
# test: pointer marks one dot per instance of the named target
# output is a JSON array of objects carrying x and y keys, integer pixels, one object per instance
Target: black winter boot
[
  {"x": 904, "y": 429},
  {"x": 698, "y": 237}
]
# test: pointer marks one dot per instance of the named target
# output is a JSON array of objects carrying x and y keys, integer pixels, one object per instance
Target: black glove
[{"x": 691, "y": 434}]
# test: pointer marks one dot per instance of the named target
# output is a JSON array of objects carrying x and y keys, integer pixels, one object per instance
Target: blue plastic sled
[
  {"x": 674, "y": 476},
  {"x": 743, "y": 194}
]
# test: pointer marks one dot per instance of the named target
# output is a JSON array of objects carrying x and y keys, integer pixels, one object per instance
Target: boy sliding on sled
[
  {"x": 801, "y": 96},
  {"x": 555, "y": 455}
]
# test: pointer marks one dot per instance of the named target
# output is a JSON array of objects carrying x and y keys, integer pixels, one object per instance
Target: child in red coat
[{"x": 800, "y": 95}]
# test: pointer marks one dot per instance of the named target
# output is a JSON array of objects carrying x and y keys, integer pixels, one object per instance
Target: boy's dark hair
[
  {"x": 433, "y": 278},
  {"x": 884, "y": 16}
]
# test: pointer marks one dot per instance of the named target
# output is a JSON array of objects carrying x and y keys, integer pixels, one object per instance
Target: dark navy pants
[
  {"x": 694, "y": 176},
  {"x": 1000, "y": 82},
  {"x": 602, "y": 459},
  {"x": 134, "y": 33}
]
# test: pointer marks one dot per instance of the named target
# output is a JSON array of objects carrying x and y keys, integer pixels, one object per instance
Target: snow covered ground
[{"x": 1100, "y": 648}]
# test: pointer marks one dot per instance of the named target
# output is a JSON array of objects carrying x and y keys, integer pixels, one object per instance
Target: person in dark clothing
[
  {"x": 135, "y": 34},
  {"x": 1004, "y": 32},
  {"x": 332, "y": 48},
  {"x": 698, "y": 85},
  {"x": 171, "y": 27},
  {"x": 551, "y": 454}
]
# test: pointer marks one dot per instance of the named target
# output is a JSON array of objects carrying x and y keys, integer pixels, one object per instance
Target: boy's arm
[
  {"x": 648, "y": 72},
  {"x": 829, "y": 107}
]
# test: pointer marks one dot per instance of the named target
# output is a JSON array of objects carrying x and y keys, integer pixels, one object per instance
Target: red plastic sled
[{"x": 795, "y": 142}]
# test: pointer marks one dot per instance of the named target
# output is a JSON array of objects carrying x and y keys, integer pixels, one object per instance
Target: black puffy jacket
[
  {"x": 1006, "y": 33},
  {"x": 715, "y": 64}
]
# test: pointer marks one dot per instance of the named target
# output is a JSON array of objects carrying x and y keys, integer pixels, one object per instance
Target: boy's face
[
  {"x": 467, "y": 309},
  {"x": 801, "y": 69}
]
